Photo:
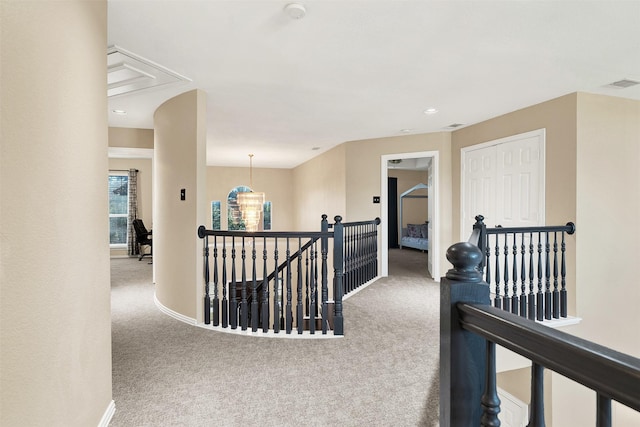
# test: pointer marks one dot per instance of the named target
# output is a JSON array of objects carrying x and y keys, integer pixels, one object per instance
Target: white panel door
[
  {"x": 479, "y": 188},
  {"x": 504, "y": 181},
  {"x": 518, "y": 191}
]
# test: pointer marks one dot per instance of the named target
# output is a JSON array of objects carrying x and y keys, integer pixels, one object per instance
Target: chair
[{"x": 143, "y": 238}]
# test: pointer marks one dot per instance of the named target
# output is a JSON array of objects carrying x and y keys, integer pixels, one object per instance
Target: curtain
[{"x": 133, "y": 212}]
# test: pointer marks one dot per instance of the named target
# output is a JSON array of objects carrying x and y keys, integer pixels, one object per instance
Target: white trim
[
  {"x": 108, "y": 414},
  {"x": 239, "y": 331},
  {"x": 181, "y": 317},
  {"x": 434, "y": 245},
  {"x": 541, "y": 133},
  {"x": 361, "y": 287}
]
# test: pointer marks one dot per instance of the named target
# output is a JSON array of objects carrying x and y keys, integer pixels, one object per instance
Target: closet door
[{"x": 503, "y": 180}]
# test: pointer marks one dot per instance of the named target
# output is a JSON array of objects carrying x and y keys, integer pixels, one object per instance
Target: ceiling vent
[
  {"x": 454, "y": 125},
  {"x": 624, "y": 83},
  {"x": 127, "y": 73}
]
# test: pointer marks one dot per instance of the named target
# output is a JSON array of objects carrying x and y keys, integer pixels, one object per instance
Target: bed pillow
[
  {"x": 414, "y": 230},
  {"x": 424, "y": 231}
]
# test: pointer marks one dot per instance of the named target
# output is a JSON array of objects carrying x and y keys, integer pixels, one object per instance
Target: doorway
[{"x": 433, "y": 255}]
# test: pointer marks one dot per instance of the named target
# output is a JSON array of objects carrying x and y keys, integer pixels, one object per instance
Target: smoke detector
[{"x": 295, "y": 11}]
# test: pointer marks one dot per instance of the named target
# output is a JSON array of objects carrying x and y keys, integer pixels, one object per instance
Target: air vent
[
  {"x": 127, "y": 72},
  {"x": 454, "y": 125},
  {"x": 624, "y": 83}
]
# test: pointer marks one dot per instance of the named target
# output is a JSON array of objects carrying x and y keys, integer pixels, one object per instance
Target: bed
[{"x": 414, "y": 235}]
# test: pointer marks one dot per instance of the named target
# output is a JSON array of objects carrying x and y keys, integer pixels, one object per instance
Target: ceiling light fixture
[
  {"x": 405, "y": 130},
  {"x": 431, "y": 110},
  {"x": 251, "y": 203},
  {"x": 295, "y": 11},
  {"x": 119, "y": 112}
]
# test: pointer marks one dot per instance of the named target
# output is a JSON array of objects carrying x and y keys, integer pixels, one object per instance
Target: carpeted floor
[{"x": 384, "y": 372}]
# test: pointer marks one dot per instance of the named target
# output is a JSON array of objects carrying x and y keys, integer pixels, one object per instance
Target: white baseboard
[
  {"x": 181, "y": 317},
  {"x": 108, "y": 414},
  {"x": 359, "y": 288}
]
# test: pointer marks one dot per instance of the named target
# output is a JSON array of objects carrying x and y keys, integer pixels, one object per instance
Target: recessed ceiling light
[
  {"x": 405, "y": 130},
  {"x": 315, "y": 148},
  {"x": 120, "y": 112},
  {"x": 295, "y": 11},
  {"x": 431, "y": 111}
]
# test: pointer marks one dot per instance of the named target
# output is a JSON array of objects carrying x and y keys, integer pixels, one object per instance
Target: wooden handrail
[{"x": 608, "y": 372}]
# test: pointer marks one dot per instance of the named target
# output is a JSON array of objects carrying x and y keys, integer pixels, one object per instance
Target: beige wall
[
  {"x": 130, "y": 138},
  {"x": 319, "y": 188},
  {"x": 363, "y": 177},
  {"x": 180, "y": 143},
  {"x": 608, "y": 208},
  {"x": 558, "y": 117},
  {"x": 55, "y": 336},
  {"x": 275, "y": 183},
  {"x": 414, "y": 211},
  {"x": 145, "y": 190}
]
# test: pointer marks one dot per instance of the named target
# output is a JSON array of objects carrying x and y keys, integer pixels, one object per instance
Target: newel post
[
  {"x": 462, "y": 353},
  {"x": 338, "y": 269}
]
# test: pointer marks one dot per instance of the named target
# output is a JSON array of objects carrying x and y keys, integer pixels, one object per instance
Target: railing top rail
[
  {"x": 570, "y": 228},
  {"x": 355, "y": 223},
  {"x": 202, "y": 232},
  {"x": 599, "y": 368}
]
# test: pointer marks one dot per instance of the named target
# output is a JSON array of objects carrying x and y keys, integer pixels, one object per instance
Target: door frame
[
  {"x": 434, "y": 238},
  {"x": 539, "y": 133}
]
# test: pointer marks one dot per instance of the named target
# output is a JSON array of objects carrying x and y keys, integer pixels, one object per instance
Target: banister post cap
[
  {"x": 479, "y": 218},
  {"x": 337, "y": 218},
  {"x": 324, "y": 217},
  {"x": 465, "y": 258}
]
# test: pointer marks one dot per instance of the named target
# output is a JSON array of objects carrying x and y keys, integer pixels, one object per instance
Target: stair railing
[
  {"x": 469, "y": 331},
  {"x": 267, "y": 302},
  {"x": 525, "y": 267}
]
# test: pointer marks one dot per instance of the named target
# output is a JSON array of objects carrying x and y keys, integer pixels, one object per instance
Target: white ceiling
[{"x": 278, "y": 87}]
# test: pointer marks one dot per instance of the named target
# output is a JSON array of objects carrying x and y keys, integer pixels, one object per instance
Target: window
[
  {"x": 215, "y": 215},
  {"x": 118, "y": 208}
]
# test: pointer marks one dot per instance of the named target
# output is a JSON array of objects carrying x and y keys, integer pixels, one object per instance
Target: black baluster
[
  {"x": 536, "y": 417},
  {"x": 556, "y": 294},
  {"x": 244, "y": 305},
  {"x": 225, "y": 301},
  {"x": 603, "y": 412},
  {"x": 532, "y": 298},
  {"x": 514, "y": 296},
  {"x": 276, "y": 285},
  {"x": 498, "y": 300},
  {"x": 254, "y": 288},
  {"x": 325, "y": 288},
  {"x": 523, "y": 279},
  {"x": 490, "y": 400},
  {"x": 299, "y": 309},
  {"x": 547, "y": 282},
  {"x": 487, "y": 275},
  {"x": 506, "y": 301},
  {"x": 289, "y": 309},
  {"x": 307, "y": 275},
  {"x": 539, "y": 295},
  {"x": 265, "y": 288},
  {"x": 563, "y": 273},
  {"x": 312, "y": 286},
  {"x": 207, "y": 298},
  {"x": 233, "y": 300},
  {"x": 216, "y": 300}
]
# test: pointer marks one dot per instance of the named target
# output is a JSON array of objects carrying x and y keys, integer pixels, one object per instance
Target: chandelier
[{"x": 251, "y": 203}]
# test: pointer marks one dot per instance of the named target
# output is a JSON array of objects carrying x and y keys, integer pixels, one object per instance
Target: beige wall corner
[
  {"x": 55, "y": 336},
  {"x": 179, "y": 163}
]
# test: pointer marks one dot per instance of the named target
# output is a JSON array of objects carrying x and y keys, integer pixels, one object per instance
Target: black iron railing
[
  {"x": 280, "y": 281},
  {"x": 525, "y": 267},
  {"x": 470, "y": 328},
  {"x": 360, "y": 253}
]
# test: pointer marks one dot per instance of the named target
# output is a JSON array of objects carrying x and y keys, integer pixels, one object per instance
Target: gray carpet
[{"x": 384, "y": 372}]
